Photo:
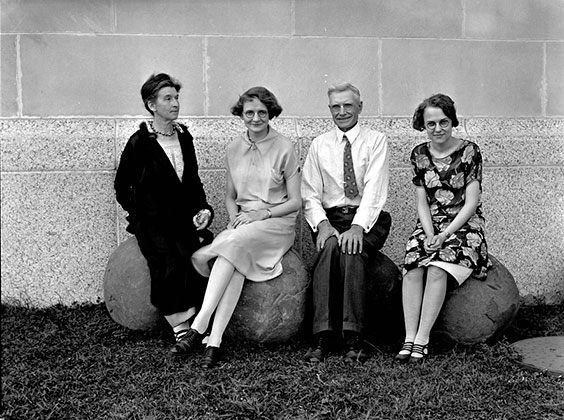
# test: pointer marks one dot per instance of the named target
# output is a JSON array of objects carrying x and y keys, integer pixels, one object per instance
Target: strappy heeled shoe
[
  {"x": 404, "y": 353},
  {"x": 189, "y": 341},
  {"x": 419, "y": 353}
]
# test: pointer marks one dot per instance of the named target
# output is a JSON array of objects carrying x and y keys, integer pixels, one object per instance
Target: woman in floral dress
[{"x": 448, "y": 240}]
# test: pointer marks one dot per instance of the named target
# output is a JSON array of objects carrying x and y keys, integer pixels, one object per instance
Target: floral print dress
[{"x": 445, "y": 180}]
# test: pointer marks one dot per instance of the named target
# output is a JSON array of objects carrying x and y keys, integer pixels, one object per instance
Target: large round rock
[
  {"x": 274, "y": 310},
  {"x": 384, "y": 311},
  {"x": 479, "y": 311},
  {"x": 127, "y": 288}
]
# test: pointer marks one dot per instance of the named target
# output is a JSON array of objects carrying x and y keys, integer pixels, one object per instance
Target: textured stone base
[
  {"x": 274, "y": 310},
  {"x": 56, "y": 173},
  {"x": 545, "y": 354},
  {"x": 271, "y": 311},
  {"x": 127, "y": 288},
  {"x": 479, "y": 311}
]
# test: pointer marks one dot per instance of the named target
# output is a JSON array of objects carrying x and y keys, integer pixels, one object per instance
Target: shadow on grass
[{"x": 77, "y": 363}]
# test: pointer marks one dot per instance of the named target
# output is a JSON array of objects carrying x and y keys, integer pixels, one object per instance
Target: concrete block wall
[{"x": 69, "y": 89}]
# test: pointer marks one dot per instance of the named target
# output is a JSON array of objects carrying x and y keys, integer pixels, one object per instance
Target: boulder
[
  {"x": 479, "y": 311},
  {"x": 127, "y": 288},
  {"x": 274, "y": 310},
  {"x": 271, "y": 311}
]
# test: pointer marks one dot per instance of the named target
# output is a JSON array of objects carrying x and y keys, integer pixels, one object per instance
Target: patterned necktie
[{"x": 351, "y": 190}]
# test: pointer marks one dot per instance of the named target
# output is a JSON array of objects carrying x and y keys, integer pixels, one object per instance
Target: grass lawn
[{"x": 77, "y": 363}]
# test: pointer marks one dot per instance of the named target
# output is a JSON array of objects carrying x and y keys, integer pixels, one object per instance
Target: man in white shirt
[{"x": 343, "y": 203}]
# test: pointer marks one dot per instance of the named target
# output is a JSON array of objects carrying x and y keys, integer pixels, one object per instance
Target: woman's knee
[
  {"x": 435, "y": 273},
  {"x": 414, "y": 275}
]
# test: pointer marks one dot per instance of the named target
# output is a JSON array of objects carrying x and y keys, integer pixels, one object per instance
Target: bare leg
[
  {"x": 433, "y": 299},
  {"x": 218, "y": 282},
  {"x": 412, "y": 297},
  {"x": 225, "y": 308}
]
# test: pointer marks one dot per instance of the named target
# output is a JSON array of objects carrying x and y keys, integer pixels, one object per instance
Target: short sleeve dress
[
  {"x": 259, "y": 171},
  {"x": 445, "y": 180}
]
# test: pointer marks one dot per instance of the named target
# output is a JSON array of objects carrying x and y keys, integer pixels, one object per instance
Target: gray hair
[{"x": 343, "y": 87}]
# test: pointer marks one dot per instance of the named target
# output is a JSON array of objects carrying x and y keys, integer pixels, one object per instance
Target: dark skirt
[{"x": 175, "y": 285}]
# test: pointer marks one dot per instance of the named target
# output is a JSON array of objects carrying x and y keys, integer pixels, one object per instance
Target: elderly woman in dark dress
[
  {"x": 157, "y": 183},
  {"x": 448, "y": 240}
]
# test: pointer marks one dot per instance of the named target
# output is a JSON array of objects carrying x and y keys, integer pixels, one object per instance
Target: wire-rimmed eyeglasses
[
  {"x": 262, "y": 114},
  {"x": 431, "y": 125}
]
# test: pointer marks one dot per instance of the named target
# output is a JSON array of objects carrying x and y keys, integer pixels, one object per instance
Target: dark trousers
[{"x": 340, "y": 280}]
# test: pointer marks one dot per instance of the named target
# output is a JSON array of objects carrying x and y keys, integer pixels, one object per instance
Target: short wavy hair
[
  {"x": 438, "y": 100},
  {"x": 344, "y": 87},
  {"x": 154, "y": 83},
  {"x": 263, "y": 95}
]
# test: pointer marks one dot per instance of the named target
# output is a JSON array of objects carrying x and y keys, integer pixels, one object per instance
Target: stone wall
[{"x": 69, "y": 88}]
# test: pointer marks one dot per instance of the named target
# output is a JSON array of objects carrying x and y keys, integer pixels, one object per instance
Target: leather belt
[{"x": 343, "y": 209}]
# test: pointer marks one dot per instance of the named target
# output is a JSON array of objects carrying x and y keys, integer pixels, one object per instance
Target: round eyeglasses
[
  {"x": 431, "y": 125},
  {"x": 335, "y": 109},
  {"x": 262, "y": 114}
]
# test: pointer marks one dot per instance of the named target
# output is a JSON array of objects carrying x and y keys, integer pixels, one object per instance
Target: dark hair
[
  {"x": 154, "y": 83},
  {"x": 263, "y": 95},
  {"x": 444, "y": 102}
]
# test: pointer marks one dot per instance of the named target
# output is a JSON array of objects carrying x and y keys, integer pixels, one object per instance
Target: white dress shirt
[{"x": 323, "y": 181}]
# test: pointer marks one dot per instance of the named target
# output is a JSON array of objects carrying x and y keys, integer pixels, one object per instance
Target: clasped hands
[
  {"x": 434, "y": 243},
  {"x": 350, "y": 241},
  {"x": 202, "y": 219}
]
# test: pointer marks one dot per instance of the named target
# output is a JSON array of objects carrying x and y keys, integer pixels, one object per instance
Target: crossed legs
[{"x": 222, "y": 294}]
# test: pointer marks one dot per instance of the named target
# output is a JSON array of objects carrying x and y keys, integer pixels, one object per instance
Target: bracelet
[
  {"x": 447, "y": 234},
  {"x": 206, "y": 211},
  {"x": 268, "y": 213}
]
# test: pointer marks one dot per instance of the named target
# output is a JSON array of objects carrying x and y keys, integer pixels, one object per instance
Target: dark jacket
[{"x": 148, "y": 188}]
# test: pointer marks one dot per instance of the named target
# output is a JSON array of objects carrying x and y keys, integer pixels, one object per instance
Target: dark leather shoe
[
  {"x": 191, "y": 340},
  {"x": 355, "y": 348},
  {"x": 319, "y": 351},
  {"x": 404, "y": 353},
  {"x": 211, "y": 356}
]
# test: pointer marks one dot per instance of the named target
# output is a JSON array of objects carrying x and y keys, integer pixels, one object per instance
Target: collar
[
  {"x": 271, "y": 134},
  {"x": 352, "y": 134}
]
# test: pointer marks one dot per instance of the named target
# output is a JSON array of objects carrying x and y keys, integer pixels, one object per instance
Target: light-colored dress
[{"x": 259, "y": 172}]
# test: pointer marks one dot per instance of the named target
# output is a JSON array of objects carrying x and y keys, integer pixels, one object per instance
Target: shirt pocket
[{"x": 275, "y": 186}]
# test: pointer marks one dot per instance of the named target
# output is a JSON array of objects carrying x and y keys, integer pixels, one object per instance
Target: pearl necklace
[{"x": 163, "y": 134}]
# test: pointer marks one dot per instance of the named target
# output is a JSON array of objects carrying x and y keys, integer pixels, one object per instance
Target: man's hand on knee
[
  {"x": 325, "y": 231},
  {"x": 351, "y": 240}
]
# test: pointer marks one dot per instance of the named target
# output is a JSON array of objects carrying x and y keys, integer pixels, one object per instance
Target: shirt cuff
[{"x": 315, "y": 218}]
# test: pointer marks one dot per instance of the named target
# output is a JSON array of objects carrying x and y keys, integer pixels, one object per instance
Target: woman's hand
[
  {"x": 434, "y": 243},
  {"x": 244, "y": 218},
  {"x": 202, "y": 219}
]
